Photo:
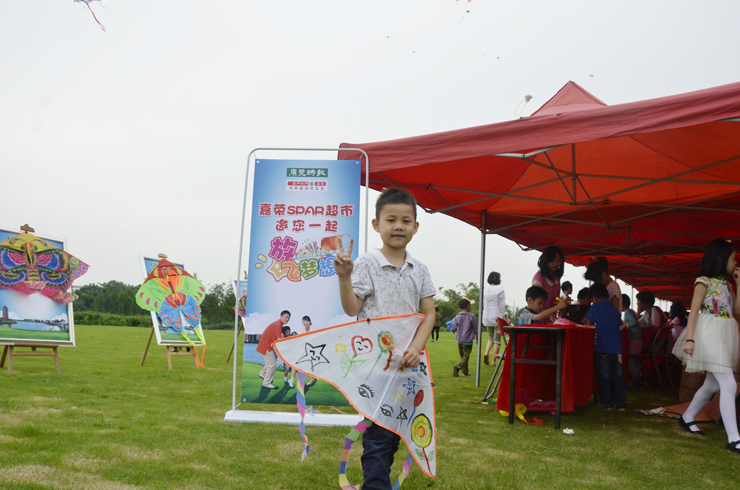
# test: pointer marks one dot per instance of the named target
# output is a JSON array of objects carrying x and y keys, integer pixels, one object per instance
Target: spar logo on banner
[
  {"x": 307, "y": 179},
  {"x": 300, "y": 212}
]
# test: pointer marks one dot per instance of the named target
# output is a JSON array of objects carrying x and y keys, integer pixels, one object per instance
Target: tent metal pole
[{"x": 480, "y": 293}]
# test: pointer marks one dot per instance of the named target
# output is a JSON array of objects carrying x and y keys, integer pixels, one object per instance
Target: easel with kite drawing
[
  {"x": 36, "y": 275},
  {"x": 174, "y": 297}
]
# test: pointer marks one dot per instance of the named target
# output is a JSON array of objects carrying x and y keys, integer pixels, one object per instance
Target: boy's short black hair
[
  {"x": 626, "y": 301},
  {"x": 598, "y": 290},
  {"x": 535, "y": 292},
  {"x": 566, "y": 285},
  {"x": 394, "y": 195},
  {"x": 284, "y": 312},
  {"x": 463, "y": 303},
  {"x": 286, "y": 330},
  {"x": 494, "y": 278},
  {"x": 436, "y": 308},
  {"x": 646, "y": 298},
  {"x": 714, "y": 260},
  {"x": 582, "y": 294},
  {"x": 594, "y": 271}
]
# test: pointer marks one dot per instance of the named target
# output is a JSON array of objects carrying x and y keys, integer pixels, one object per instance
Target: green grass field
[{"x": 106, "y": 423}]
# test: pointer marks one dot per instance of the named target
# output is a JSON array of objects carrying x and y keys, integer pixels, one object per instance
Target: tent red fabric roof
[
  {"x": 572, "y": 97},
  {"x": 643, "y": 180}
]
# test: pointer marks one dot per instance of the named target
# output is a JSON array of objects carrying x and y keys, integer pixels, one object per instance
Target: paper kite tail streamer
[
  {"x": 352, "y": 438},
  {"x": 400, "y": 400},
  {"x": 301, "y": 403},
  {"x": 87, "y": 4}
]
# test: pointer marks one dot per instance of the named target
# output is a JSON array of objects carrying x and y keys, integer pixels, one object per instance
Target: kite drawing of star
[
  {"x": 315, "y": 354},
  {"x": 423, "y": 368},
  {"x": 402, "y": 414},
  {"x": 410, "y": 385}
]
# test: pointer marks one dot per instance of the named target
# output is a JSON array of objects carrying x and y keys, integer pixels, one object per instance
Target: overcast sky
[{"x": 135, "y": 140}]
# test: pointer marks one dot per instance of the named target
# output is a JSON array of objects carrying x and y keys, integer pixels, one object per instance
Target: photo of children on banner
[{"x": 289, "y": 373}]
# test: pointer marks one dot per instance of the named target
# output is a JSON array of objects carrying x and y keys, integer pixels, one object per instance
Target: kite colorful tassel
[
  {"x": 301, "y": 402},
  {"x": 87, "y": 2},
  {"x": 350, "y": 439}
]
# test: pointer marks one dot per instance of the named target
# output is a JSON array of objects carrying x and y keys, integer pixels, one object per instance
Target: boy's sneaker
[
  {"x": 290, "y": 382},
  {"x": 621, "y": 408},
  {"x": 465, "y": 374},
  {"x": 455, "y": 371},
  {"x": 270, "y": 386}
]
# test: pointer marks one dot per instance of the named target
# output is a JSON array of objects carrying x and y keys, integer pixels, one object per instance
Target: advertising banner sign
[{"x": 301, "y": 210}]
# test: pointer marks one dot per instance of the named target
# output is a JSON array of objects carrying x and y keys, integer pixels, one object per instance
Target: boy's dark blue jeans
[
  {"x": 611, "y": 383},
  {"x": 380, "y": 446}
]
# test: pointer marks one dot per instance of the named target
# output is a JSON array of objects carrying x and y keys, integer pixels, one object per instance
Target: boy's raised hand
[{"x": 343, "y": 261}]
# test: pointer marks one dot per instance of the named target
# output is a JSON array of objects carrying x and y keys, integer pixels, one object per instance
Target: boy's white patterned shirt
[{"x": 388, "y": 290}]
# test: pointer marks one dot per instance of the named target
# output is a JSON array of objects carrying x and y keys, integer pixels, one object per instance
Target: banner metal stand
[{"x": 292, "y": 418}]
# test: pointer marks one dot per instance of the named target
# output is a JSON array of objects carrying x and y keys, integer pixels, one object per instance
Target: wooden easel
[
  {"x": 179, "y": 352},
  {"x": 234, "y": 344},
  {"x": 10, "y": 352}
]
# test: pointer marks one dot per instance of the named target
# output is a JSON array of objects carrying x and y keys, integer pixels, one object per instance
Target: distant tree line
[
  {"x": 114, "y": 303},
  {"x": 115, "y": 298}
]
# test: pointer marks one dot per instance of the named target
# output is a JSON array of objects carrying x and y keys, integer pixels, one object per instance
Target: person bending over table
[
  {"x": 551, "y": 268},
  {"x": 598, "y": 272}
]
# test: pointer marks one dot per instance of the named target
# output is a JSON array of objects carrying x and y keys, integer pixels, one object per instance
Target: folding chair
[
  {"x": 499, "y": 369},
  {"x": 657, "y": 355}
]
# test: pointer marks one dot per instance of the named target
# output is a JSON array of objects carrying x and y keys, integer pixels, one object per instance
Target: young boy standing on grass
[
  {"x": 387, "y": 282},
  {"x": 466, "y": 327},
  {"x": 608, "y": 348}
]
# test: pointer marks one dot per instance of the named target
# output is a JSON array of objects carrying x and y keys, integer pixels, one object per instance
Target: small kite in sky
[
  {"x": 398, "y": 399},
  {"x": 526, "y": 100},
  {"x": 87, "y": 2}
]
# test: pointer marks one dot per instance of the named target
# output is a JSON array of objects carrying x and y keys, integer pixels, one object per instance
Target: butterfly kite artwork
[
  {"x": 87, "y": 3},
  {"x": 241, "y": 306},
  {"x": 176, "y": 296},
  {"x": 362, "y": 360},
  {"x": 29, "y": 264}
]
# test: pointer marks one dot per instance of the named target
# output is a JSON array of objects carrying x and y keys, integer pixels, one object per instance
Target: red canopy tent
[{"x": 646, "y": 183}]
